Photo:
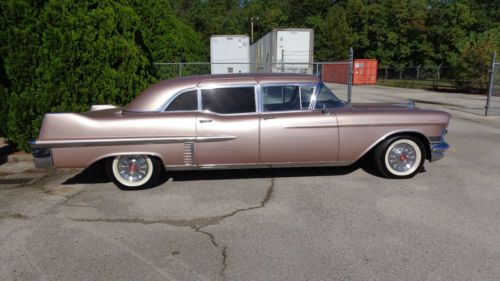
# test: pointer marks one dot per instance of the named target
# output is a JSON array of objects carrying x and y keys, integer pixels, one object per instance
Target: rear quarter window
[{"x": 187, "y": 101}]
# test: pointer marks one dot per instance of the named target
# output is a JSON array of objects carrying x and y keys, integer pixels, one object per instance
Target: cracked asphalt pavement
[{"x": 281, "y": 224}]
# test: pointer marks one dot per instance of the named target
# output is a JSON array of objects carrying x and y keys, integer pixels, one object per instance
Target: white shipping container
[
  {"x": 229, "y": 54},
  {"x": 284, "y": 50}
]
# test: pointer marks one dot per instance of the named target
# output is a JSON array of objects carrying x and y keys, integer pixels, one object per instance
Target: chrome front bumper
[
  {"x": 42, "y": 158},
  {"x": 437, "y": 150},
  {"x": 438, "y": 146}
]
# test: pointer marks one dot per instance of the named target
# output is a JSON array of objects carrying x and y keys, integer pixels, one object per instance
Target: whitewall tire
[
  {"x": 400, "y": 157},
  {"x": 130, "y": 172}
]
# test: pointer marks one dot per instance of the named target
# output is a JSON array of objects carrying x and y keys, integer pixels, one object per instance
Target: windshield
[{"x": 326, "y": 99}]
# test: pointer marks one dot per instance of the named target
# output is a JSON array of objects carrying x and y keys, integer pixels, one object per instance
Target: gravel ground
[{"x": 281, "y": 224}]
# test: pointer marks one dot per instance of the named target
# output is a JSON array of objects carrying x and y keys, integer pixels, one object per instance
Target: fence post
[
  {"x": 180, "y": 69},
  {"x": 349, "y": 78},
  {"x": 418, "y": 71},
  {"x": 385, "y": 74},
  {"x": 439, "y": 71},
  {"x": 400, "y": 74},
  {"x": 492, "y": 82}
]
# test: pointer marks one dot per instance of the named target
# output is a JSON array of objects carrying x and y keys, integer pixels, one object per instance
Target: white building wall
[{"x": 229, "y": 54}]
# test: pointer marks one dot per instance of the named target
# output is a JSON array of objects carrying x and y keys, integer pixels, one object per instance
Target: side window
[
  {"x": 229, "y": 100},
  {"x": 280, "y": 98},
  {"x": 327, "y": 99},
  {"x": 185, "y": 101},
  {"x": 286, "y": 98}
]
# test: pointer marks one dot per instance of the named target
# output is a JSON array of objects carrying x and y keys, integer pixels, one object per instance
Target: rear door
[{"x": 228, "y": 127}]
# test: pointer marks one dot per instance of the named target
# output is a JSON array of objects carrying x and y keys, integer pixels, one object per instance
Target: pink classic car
[{"x": 240, "y": 121}]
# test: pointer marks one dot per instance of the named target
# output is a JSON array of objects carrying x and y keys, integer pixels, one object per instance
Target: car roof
[{"x": 156, "y": 95}]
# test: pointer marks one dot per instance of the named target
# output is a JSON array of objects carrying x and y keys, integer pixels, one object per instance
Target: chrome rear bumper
[{"x": 43, "y": 158}]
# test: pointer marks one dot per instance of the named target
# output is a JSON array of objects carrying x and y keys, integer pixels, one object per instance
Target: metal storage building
[{"x": 283, "y": 50}]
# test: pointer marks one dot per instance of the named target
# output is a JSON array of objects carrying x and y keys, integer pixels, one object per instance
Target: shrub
[{"x": 65, "y": 55}]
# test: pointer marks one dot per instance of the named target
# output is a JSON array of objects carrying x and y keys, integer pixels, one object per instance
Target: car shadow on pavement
[
  {"x": 260, "y": 173},
  {"x": 97, "y": 174}
]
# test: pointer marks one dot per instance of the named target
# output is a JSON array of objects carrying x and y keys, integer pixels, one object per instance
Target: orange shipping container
[{"x": 364, "y": 72}]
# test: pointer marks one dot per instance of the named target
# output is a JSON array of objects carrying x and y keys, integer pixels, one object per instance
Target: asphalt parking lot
[{"x": 281, "y": 224}]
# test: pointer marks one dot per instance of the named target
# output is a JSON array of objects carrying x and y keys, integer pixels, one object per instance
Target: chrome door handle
[
  {"x": 269, "y": 117},
  {"x": 205, "y": 121}
]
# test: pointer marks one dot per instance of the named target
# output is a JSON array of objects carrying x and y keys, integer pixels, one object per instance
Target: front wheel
[
  {"x": 130, "y": 172},
  {"x": 399, "y": 157}
]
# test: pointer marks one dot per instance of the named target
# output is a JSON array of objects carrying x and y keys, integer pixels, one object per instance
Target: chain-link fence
[
  {"x": 429, "y": 77},
  {"x": 330, "y": 72},
  {"x": 493, "y": 98},
  {"x": 334, "y": 72},
  {"x": 171, "y": 70}
]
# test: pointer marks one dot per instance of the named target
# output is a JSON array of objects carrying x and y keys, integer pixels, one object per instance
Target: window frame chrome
[
  {"x": 225, "y": 86},
  {"x": 297, "y": 84},
  {"x": 164, "y": 107}
]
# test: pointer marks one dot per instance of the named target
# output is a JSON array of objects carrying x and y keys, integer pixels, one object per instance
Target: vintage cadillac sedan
[{"x": 240, "y": 121}]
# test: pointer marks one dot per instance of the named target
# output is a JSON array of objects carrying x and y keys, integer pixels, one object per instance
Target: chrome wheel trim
[
  {"x": 403, "y": 157},
  {"x": 132, "y": 170}
]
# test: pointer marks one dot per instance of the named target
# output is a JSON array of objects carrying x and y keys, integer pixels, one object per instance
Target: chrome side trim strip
[
  {"x": 387, "y": 124},
  {"x": 259, "y": 166},
  {"x": 213, "y": 139},
  {"x": 124, "y": 141},
  {"x": 310, "y": 126}
]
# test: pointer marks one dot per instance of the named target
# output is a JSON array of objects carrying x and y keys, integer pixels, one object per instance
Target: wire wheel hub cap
[{"x": 133, "y": 168}]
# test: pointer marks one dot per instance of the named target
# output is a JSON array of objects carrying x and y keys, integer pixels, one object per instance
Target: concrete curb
[
  {"x": 19, "y": 156},
  {"x": 8, "y": 153}
]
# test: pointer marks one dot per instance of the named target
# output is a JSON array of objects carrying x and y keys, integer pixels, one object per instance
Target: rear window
[
  {"x": 229, "y": 100},
  {"x": 186, "y": 101}
]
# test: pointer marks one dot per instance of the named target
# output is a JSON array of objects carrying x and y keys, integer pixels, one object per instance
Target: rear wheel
[
  {"x": 399, "y": 157},
  {"x": 130, "y": 172}
]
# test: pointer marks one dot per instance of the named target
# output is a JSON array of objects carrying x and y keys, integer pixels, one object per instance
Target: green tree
[
  {"x": 357, "y": 16},
  {"x": 164, "y": 38},
  {"x": 66, "y": 55},
  {"x": 271, "y": 14},
  {"x": 474, "y": 59},
  {"x": 448, "y": 24},
  {"x": 333, "y": 38}
]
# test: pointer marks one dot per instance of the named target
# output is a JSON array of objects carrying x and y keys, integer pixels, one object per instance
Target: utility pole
[
  {"x": 349, "y": 77},
  {"x": 492, "y": 83},
  {"x": 252, "y": 18}
]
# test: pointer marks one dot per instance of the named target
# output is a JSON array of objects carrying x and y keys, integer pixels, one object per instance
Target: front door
[
  {"x": 293, "y": 132},
  {"x": 228, "y": 127}
]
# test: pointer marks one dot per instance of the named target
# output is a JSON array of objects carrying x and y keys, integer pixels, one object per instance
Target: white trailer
[
  {"x": 283, "y": 50},
  {"x": 229, "y": 54}
]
